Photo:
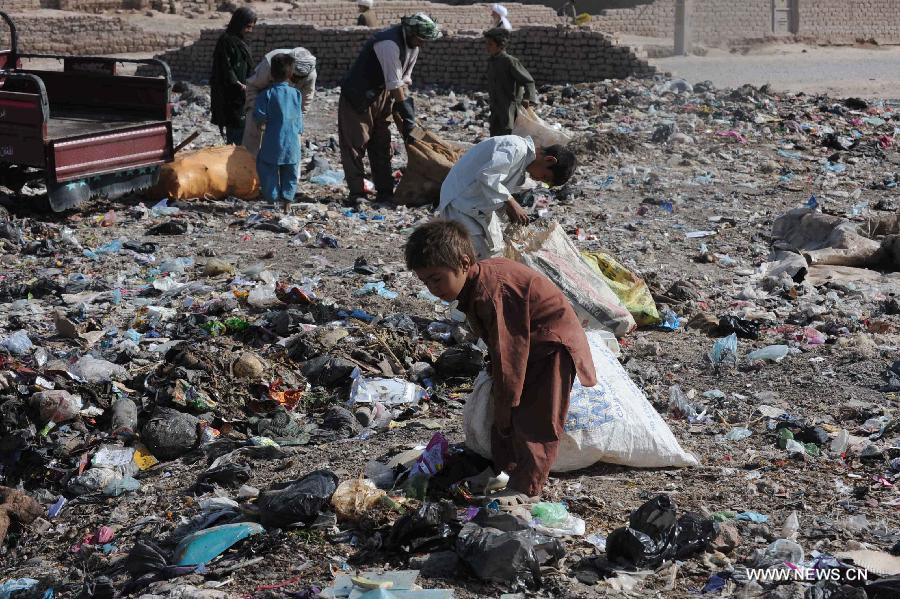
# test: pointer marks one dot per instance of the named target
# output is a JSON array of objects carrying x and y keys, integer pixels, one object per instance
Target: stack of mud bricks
[
  {"x": 847, "y": 21},
  {"x": 734, "y": 21},
  {"x": 16, "y": 5},
  {"x": 553, "y": 55},
  {"x": 476, "y": 17},
  {"x": 712, "y": 21},
  {"x": 89, "y": 34}
]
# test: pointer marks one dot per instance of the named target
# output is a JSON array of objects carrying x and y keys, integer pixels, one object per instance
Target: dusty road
[{"x": 869, "y": 71}]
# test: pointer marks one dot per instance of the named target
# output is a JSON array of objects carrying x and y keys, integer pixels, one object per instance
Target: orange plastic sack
[{"x": 209, "y": 173}]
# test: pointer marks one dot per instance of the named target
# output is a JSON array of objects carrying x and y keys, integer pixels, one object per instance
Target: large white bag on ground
[
  {"x": 529, "y": 124},
  {"x": 549, "y": 250},
  {"x": 611, "y": 422}
]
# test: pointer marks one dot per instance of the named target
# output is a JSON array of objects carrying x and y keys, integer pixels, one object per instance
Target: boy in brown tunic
[{"x": 534, "y": 338}]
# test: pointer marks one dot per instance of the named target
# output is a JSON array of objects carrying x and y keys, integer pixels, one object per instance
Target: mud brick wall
[
  {"x": 713, "y": 22},
  {"x": 845, "y": 21},
  {"x": 14, "y": 5},
  {"x": 552, "y": 54},
  {"x": 340, "y": 13},
  {"x": 89, "y": 34},
  {"x": 723, "y": 21}
]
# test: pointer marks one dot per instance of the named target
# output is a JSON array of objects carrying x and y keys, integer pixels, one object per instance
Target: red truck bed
[{"x": 87, "y": 128}]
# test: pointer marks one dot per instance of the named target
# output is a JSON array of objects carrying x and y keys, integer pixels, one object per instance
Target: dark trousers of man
[
  {"x": 366, "y": 132},
  {"x": 527, "y": 451}
]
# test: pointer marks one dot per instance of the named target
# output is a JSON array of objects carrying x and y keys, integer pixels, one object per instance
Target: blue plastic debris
[
  {"x": 206, "y": 545},
  {"x": 670, "y": 321},
  {"x": 56, "y": 507},
  {"x": 754, "y": 517},
  {"x": 14, "y": 585},
  {"x": 715, "y": 584},
  {"x": 375, "y": 288},
  {"x": 724, "y": 349}
]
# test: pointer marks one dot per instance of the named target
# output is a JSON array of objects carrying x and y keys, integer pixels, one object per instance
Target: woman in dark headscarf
[{"x": 231, "y": 66}]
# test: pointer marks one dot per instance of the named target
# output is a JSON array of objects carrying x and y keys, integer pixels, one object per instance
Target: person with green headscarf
[
  {"x": 231, "y": 66},
  {"x": 374, "y": 87}
]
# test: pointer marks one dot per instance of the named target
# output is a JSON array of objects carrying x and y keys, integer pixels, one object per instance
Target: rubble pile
[{"x": 215, "y": 398}]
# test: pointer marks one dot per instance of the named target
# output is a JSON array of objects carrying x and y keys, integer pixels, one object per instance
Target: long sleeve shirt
[
  {"x": 516, "y": 310},
  {"x": 396, "y": 74},
  {"x": 261, "y": 78},
  {"x": 508, "y": 83},
  {"x": 280, "y": 108},
  {"x": 484, "y": 178}
]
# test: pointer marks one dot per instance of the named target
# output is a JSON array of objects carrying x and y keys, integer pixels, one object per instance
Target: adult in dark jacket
[
  {"x": 232, "y": 64},
  {"x": 374, "y": 87},
  {"x": 510, "y": 85}
]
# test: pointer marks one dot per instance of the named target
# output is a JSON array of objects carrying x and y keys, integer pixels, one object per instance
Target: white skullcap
[
  {"x": 500, "y": 10},
  {"x": 366, "y": 3},
  {"x": 304, "y": 61}
]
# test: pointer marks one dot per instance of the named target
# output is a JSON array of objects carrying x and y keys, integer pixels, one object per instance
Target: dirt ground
[
  {"x": 727, "y": 167},
  {"x": 869, "y": 71}
]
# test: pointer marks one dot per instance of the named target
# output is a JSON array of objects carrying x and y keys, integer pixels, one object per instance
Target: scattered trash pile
[{"x": 211, "y": 397}]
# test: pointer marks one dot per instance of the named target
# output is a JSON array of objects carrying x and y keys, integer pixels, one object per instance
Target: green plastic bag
[{"x": 631, "y": 290}]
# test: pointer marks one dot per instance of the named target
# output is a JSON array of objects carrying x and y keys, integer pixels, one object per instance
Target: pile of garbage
[{"x": 211, "y": 396}]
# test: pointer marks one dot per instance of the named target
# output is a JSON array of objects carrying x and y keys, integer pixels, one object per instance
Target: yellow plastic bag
[
  {"x": 628, "y": 287},
  {"x": 549, "y": 250},
  {"x": 209, "y": 173},
  {"x": 583, "y": 19}
]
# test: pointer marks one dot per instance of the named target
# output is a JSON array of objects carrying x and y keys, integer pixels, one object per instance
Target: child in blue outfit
[{"x": 279, "y": 109}]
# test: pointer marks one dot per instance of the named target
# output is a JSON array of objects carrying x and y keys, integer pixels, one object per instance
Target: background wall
[
  {"x": 551, "y": 54},
  {"x": 88, "y": 34},
  {"x": 723, "y": 21}
]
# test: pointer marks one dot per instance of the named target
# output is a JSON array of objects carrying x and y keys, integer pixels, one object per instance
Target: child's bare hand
[{"x": 516, "y": 213}]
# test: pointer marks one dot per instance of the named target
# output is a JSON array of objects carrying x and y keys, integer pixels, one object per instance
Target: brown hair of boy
[
  {"x": 439, "y": 243},
  {"x": 282, "y": 67}
]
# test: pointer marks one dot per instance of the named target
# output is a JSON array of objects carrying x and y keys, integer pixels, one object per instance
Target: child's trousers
[
  {"x": 527, "y": 451},
  {"x": 277, "y": 181}
]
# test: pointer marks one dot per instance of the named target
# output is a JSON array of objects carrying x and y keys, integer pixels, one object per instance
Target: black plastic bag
[
  {"x": 425, "y": 529},
  {"x": 297, "y": 501},
  {"x": 169, "y": 433},
  {"x": 461, "y": 360},
  {"x": 513, "y": 557},
  {"x": 654, "y": 535},
  {"x": 229, "y": 474},
  {"x": 745, "y": 329},
  {"x": 145, "y": 557}
]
